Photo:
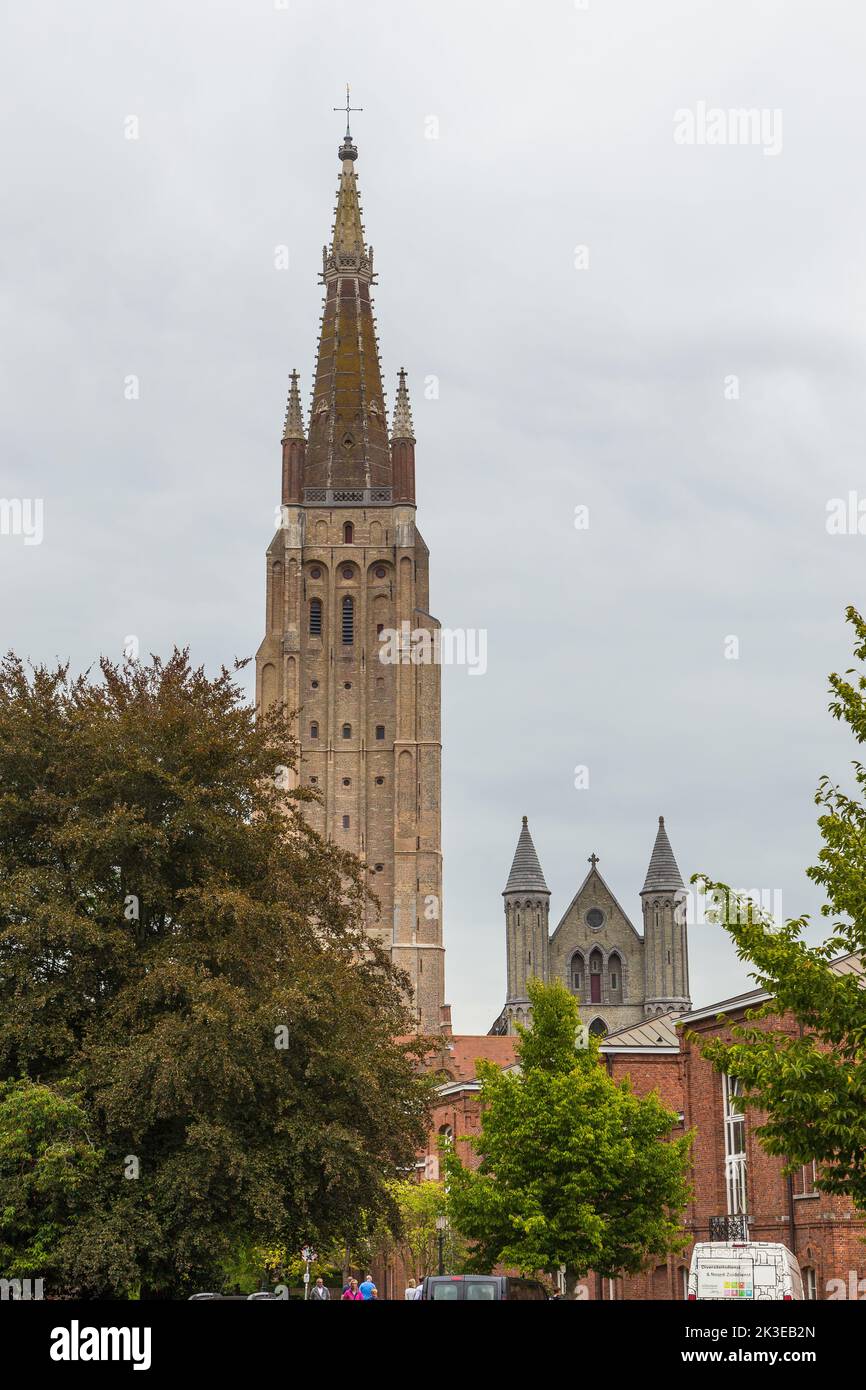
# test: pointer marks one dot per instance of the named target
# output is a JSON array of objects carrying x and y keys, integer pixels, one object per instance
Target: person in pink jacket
[{"x": 352, "y": 1293}]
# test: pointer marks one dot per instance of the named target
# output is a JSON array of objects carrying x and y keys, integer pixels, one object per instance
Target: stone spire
[
  {"x": 665, "y": 932},
  {"x": 293, "y": 427},
  {"x": 663, "y": 874},
  {"x": 527, "y": 913},
  {"x": 348, "y": 446},
  {"x": 403, "y": 445},
  {"x": 294, "y": 447},
  {"x": 526, "y": 875},
  {"x": 402, "y": 427}
]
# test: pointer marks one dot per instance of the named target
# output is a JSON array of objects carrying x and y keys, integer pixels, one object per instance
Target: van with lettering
[{"x": 755, "y": 1270}]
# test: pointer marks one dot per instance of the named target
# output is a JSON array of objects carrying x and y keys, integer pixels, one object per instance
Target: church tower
[
  {"x": 527, "y": 909},
  {"x": 666, "y": 953},
  {"x": 347, "y": 568}
]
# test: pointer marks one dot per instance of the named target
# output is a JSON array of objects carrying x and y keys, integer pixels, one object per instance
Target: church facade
[
  {"x": 618, "y": 975},
  {"x": 347, "y": 567}
]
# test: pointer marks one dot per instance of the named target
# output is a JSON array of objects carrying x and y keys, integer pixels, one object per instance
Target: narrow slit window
[
  {"x": 314, "y": 730},
  {"x": 348, "y": 621},
  {"x": 348, "y": 533},
  {"x": 315, "y": 617},
  {"x": 347, "y": 731},
  {"x": 380, "y": 732}
]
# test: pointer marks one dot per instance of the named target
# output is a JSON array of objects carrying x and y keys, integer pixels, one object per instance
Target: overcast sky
[{"x": 599, "y": 378}]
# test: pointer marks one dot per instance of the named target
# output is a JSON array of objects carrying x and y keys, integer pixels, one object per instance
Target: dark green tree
[
  {"x": 575, "y": 1170},
  {"x": 811, "y": 1080},
  {"x": 176, "y": 940}
]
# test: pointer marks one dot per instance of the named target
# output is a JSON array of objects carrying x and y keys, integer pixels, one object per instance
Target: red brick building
[{"x": 732, "y": 1173}]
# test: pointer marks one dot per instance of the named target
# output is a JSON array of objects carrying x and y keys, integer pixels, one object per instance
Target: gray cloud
[{"x": 559, "y": 387}]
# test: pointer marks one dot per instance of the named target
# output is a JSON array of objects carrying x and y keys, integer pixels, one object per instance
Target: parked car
[
  {"x": 482, "y": 1288},
  {"x": 231, "y": 1297},
  {"x": 756, "y": 1270}
]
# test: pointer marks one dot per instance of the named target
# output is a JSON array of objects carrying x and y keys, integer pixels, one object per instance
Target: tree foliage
[
  {"x": 176, "y": 940},
  {"x": 416, "y": 1235},
  {"x": 573, "y": 1170},
  {"x": 47, "y": 1162},
  {"x": 812, "y": 1082}
]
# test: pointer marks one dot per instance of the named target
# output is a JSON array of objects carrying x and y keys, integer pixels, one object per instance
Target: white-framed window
[
  {"x": 735, "y": 1146},
  {"x": 804, "y": 1179},
  {"x": 810, "y": 1283}
]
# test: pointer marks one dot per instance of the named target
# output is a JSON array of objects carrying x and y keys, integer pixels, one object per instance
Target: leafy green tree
[
  {"x": 47, "y": 1161},
  {"x": 420, "y": 1205},
  {"x": 575, "y": 1170},
  {"x": 175, "y": 938},
  {"x": 811, "y": 1081}
]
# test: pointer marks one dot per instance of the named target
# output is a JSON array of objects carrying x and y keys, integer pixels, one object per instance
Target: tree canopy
[
  {"x": 575, "y": 1170},
  {"x": 185, "y": 953},
  {"x": 811, "y": 1081}
]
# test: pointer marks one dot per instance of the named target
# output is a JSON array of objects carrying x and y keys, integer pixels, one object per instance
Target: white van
[{"x": 737, "y": 1269}]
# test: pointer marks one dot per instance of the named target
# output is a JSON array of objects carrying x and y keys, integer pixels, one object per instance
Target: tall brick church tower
[{"x": 347, "y": 566}]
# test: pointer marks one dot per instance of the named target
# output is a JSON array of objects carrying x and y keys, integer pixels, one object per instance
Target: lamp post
[{"x": 441, "y": 1228}]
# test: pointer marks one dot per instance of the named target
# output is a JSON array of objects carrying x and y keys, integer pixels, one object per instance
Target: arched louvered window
[
  {"x": 348, "y": 621},
  {"x": 614, "y": 978},
  {"x": 315, "y": 617},
  {"x": 577, "y": 973},
  {"x": 595, "y": 964},
  {"x": 348, "y": 533}
]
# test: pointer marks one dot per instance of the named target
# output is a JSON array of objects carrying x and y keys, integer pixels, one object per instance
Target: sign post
[{"x": 308, "y": 1255}]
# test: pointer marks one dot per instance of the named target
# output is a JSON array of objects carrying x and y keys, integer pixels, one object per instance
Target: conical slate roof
[
  {"x": 526, "y": 875},
  {"x": 662, "y": 875}
]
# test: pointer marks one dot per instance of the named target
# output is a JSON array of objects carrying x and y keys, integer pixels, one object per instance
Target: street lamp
[{"x": 441, "y": 1228}]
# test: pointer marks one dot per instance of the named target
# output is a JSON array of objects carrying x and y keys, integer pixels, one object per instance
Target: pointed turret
[
  {"x": 663, "y": 874},
  {"x": 665, "y": 931},
  {"x": 526, "y": 875},
  {"x": 403, "y": 444},
  {"x": 402, "y": 427},
  {"x": 294, "y": 446},
  {"x": 293, "y": 426},
  {"x": 348, "y": 447},
  {"x": 527, "y": 911}
]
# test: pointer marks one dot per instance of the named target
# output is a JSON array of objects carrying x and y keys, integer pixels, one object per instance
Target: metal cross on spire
[
  {"x": 348, "y": 109},
  {"x": 593, "y": 860}
]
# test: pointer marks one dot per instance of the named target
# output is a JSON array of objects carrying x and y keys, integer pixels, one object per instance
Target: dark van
[{"x": 482, "y": 1288}]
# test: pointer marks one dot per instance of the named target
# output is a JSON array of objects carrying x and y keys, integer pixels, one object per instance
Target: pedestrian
[
  {"x": 419, "y": 1292},
  {"x": 351, "y": 1293},
  {"x": 318, "y": 1293},
  {"x": 410, "y": 1290},
  {"x": 368, "y": 1289}
]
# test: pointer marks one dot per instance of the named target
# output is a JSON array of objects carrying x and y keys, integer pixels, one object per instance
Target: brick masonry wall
[{"x": 827, "y": 1235}]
